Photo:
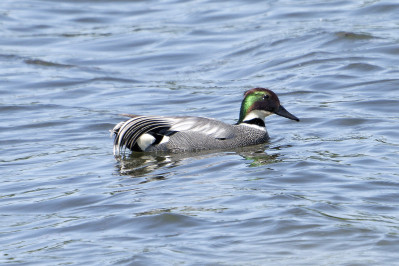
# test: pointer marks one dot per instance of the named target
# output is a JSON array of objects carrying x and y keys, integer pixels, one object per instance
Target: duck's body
[{"x": 187, "y": 133}]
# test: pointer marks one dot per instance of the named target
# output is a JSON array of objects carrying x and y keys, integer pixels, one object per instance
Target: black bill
[{"x": 283, "y": 112}]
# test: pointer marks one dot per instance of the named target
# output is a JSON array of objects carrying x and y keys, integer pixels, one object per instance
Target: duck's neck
[{"x": 255, "y": 117}]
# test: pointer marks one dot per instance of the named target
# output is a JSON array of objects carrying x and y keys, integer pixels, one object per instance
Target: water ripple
[{"x": 322, "y": 190}]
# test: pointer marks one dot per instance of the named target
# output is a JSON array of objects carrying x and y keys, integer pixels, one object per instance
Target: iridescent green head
[{"x": 259, "y": 103}]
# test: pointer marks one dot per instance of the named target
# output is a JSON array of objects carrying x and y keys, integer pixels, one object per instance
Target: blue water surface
[{"x": 321, "y": 192}]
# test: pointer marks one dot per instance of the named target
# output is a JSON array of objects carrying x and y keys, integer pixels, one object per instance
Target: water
[{"x": 323, "y": 191}]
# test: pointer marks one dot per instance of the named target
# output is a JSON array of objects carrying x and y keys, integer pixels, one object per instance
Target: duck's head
[{"x": 259, "y": 103}]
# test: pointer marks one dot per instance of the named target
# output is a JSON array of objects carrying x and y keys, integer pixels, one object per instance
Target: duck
[{"x": 176, "y": 134}]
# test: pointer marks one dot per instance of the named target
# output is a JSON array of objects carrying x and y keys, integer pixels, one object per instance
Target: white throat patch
[{"x": 261, "y": 114}]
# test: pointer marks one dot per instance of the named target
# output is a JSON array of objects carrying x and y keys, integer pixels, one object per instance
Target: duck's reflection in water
[{"x": 142, "y": 164}]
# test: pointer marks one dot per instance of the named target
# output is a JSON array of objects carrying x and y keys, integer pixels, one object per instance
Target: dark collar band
[{"x": 256, "y": 121}]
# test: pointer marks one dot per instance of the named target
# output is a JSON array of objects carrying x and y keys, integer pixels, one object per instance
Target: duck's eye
[{"x": 266, "y": 96}]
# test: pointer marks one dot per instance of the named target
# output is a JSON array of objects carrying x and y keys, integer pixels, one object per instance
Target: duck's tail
[{"x": 128, "y": 132}]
